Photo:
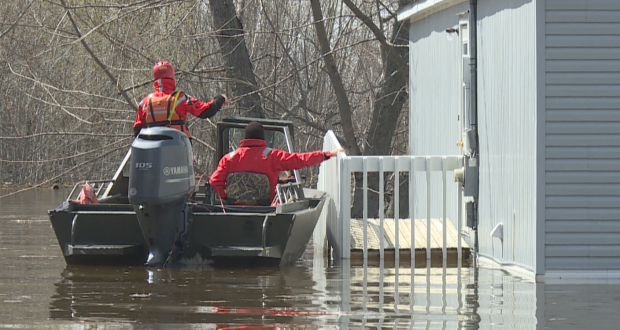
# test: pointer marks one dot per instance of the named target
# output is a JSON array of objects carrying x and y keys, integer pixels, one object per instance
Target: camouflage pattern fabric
[{"x": 248, "y": 188}]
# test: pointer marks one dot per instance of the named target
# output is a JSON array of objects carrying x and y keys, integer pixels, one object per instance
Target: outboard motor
[{"x": 161, "y": 180}]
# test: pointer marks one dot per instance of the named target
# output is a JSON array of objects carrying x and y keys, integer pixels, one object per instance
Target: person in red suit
[
  {"x": 254, "y": 156},
  {"x": 167, "y": 107}
]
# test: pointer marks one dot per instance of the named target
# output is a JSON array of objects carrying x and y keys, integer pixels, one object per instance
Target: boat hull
[
  {"x": 99, "y": 233},
  {"x": 110, "y": 233}
]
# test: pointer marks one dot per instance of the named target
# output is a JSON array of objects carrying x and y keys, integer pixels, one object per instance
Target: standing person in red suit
[
  {"x": 167, "y": 107},
  {"x": 253, "y": 156}
]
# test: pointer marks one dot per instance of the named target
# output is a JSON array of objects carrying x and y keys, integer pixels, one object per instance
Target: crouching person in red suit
[{"x": 254, "y": 157}]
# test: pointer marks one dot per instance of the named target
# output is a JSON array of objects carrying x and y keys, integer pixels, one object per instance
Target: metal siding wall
[
  {"x": 435, "y": 84},
  {"x": 507, "y": 115},
  {"x": 582, "y": 135}
]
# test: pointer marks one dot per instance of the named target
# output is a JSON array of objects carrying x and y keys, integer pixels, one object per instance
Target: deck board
[{"x": 404, "y": 234}]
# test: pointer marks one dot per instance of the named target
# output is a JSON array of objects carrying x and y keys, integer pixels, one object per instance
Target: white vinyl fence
[{"x": 335, "y": 179}]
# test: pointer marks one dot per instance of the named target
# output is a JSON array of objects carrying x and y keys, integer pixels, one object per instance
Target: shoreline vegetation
[
  {"x": 8, "y": 189},
  {"x": 50, "y": 186}
]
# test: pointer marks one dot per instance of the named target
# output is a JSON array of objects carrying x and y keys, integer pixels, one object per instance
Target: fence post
[
  {"x": 411, "y": 210},
  {"x": 365, "y": 209},
  {"x": 444, "y": 227},
  {"x": 428, "y": 210},
  {"x": 381, "y": 212},
  {"x": 396, "y": 204},
  {"x": 345, "y": 207}
]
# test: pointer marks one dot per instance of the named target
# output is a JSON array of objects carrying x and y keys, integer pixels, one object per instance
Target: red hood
[
  {"x": 253, "y": 143},
  {"x": 165, "y": 85}
]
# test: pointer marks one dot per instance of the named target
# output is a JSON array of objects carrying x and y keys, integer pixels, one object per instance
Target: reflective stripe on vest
[
  {"x": 158, "y": 113},
  {"x": 265, "y": 152},
  {"x": 174, "y": 106}
]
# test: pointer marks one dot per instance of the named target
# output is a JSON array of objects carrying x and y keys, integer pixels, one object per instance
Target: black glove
[{"x": 219, "y": 100}]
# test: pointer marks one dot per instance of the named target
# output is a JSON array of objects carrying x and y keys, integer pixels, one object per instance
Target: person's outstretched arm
[
  {"x": 286, "y": 161},
  {"x": 202, "y": 109}
]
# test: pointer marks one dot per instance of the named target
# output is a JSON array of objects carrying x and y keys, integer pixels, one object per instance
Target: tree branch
[
  {"x": 336, "y": 80},
  {"x": 63, "y": 173},
  {"x": 60, "y": 134},
  {"x": 389, "y": 48},
  {"x": 17, "y": 20},
  {"x": 96, "y": 59}
]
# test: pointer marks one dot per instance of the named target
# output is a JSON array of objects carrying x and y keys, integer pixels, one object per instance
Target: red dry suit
[
  {"x": 253, "y": 157},
  {"x": 160, "y": 108}
]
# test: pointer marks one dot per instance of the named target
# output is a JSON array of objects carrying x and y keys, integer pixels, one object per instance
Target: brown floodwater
[{"x": 39, "y": 291}]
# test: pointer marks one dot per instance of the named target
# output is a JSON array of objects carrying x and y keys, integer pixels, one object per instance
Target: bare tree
[
  {"x": 71, "y": 67},
  {"x": 391, "y": 98},
  {"x": 73, "y": 71},
  {"x": 231, "y": 38},
  {"x": 336, "y": 80}
]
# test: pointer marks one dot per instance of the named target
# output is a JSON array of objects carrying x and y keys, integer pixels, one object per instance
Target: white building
[{"x": 548, "y": 122}]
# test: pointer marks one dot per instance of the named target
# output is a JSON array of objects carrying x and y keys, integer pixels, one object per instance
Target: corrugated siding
[
  {"x": 582, "y": 135},
  {"x": 435, "y": 85},
  {"x": 507, "y": 116}
]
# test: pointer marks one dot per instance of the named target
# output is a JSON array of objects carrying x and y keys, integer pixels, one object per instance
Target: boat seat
[
  {"x": 112, "y": 199},
  {"x": 248, "y": 188}
]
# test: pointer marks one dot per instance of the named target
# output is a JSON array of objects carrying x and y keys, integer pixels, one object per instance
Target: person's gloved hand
[{"x": 222, "y": 100}]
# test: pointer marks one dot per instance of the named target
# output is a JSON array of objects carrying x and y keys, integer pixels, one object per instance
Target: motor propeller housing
[{"x": 161, "y": 180}]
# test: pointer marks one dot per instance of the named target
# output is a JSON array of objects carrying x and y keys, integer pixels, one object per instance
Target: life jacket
[
  {"x": 87, "y": 195},
  {"x": 160, "y": 111}
]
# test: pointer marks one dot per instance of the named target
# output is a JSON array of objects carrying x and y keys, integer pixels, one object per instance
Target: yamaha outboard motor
[{"x": 161, "y": 180}]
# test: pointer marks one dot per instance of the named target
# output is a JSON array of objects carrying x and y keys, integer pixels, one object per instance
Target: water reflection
[
  {"x": 32, "y": 204},
  {"x": 341, "y": 297},
  {"x": 399, "y": 298},
  {"x": 263, "y": 298}
]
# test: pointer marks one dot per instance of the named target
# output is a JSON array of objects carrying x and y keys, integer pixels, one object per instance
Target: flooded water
[{"x": 39, "y": 291}]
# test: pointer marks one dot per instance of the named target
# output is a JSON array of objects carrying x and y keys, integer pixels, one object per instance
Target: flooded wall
[
  {"x": 435, "y": 103},
  {"x": 507, "y": 121},
  {"x": 507, "y": 117}
]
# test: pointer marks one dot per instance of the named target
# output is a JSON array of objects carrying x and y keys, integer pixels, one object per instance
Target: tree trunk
[
  {"x": 230, "y": 36},
  {"x": 330, "y": 66},
  {"x": 390, "y": 100},
  {"x": 403, "y": 206}
]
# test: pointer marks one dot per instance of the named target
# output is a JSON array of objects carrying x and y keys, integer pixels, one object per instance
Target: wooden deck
[{"x": 405, "y": 242}]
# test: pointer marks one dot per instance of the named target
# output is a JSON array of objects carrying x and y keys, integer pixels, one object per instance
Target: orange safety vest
[{"x": 160, "y": 111}]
